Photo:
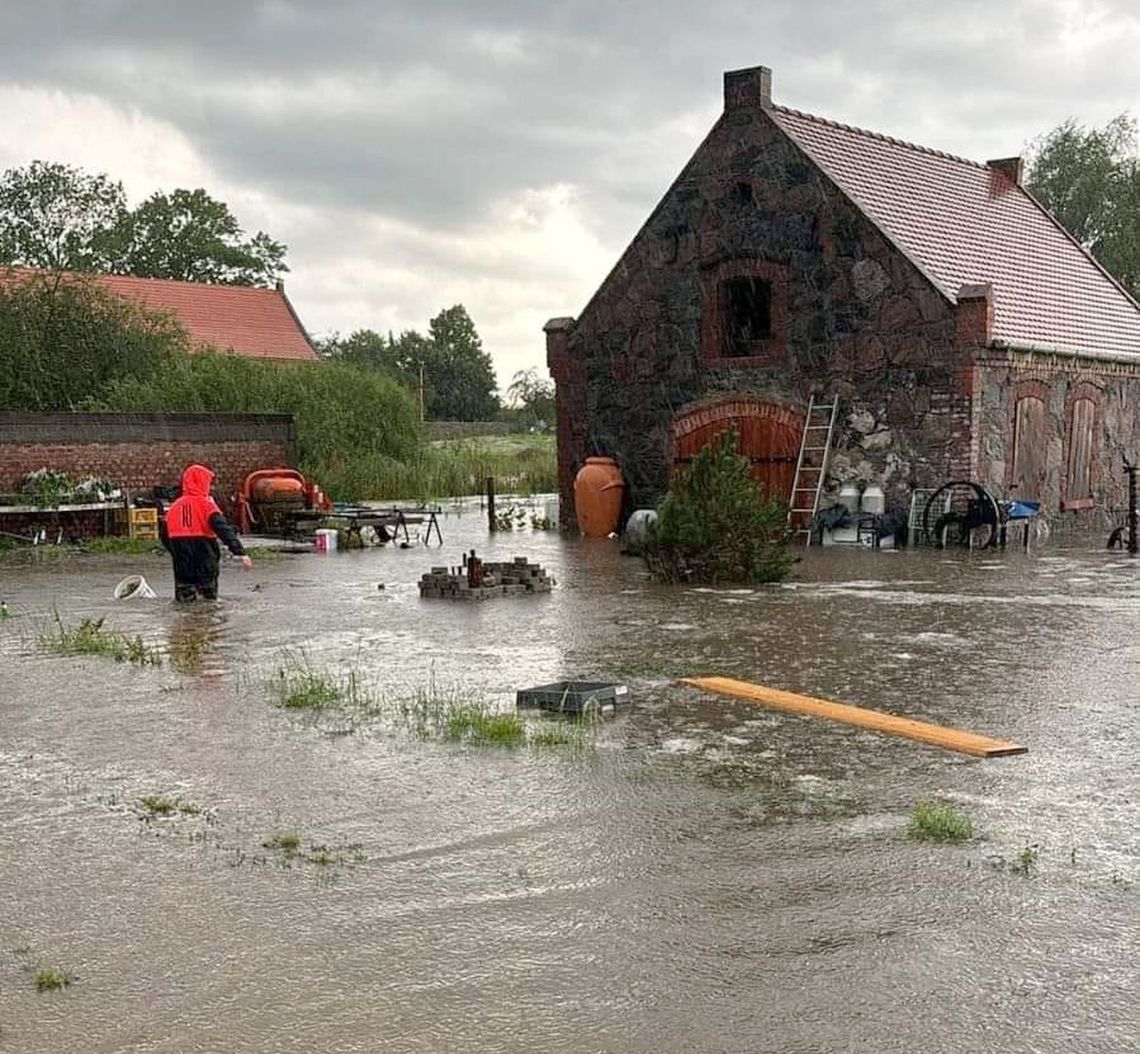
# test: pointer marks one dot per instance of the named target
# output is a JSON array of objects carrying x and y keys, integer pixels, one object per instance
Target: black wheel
[
  {"x": 1118, "y": 539},
  {"x": 965, "y": 506}
]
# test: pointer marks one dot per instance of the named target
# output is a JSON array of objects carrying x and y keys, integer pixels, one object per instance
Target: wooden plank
[{"x": 876, "y": 720}]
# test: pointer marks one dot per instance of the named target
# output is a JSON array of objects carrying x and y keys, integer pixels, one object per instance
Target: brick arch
[{"x": 769, "y": 435}]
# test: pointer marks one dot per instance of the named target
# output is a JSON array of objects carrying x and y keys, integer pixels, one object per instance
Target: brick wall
[
  {"x": 141, "y": 451},
  {"x": 851, "y": 318},
  {"x": 1058, "y": 381}
]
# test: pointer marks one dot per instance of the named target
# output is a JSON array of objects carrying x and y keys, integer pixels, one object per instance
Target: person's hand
[{"x": 247, "y": 563}]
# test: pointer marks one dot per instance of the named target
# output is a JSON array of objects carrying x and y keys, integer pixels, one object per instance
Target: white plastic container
[
  {"x": 874, "y": 501},
  {"x": 324, "y": 541},
  {"x": 849, "y": 497}
]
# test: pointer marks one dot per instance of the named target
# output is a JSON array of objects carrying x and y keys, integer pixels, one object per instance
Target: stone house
[{"x": 963, "y": 331}]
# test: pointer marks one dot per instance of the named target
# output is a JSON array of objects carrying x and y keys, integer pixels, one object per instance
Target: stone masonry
[{"x": 923, "y": 397}]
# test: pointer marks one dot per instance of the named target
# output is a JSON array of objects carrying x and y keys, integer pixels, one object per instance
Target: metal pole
[
  {"x": 1133, "y": 540},
  {"x": 491, "y": 504}
]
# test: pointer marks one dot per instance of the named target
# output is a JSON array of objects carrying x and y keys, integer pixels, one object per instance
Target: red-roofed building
[
  {"x": 963, "y": 332},
  {"x": 243, "y": 320}
]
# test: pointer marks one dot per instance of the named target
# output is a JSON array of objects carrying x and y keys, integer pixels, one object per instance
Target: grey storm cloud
[
  {"x": 393, "y": 145},
  {"x": 425, "y": 112}
]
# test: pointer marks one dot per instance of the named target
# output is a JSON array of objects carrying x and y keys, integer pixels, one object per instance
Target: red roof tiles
[
  {"x": 964, "y": 223},
  {"x": 244, "y": 320}
]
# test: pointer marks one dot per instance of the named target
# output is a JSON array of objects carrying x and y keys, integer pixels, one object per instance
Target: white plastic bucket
[
  {"x": 134, "y": 587},
  {"x": 324, "y": 541}
]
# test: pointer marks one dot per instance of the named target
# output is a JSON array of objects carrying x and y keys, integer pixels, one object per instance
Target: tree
[
  {"x": 57, "y": 217},
  {"x": 531, "y": 398},
  {"x": 459, "y": 375},
  {"x": 716, "y": 525},
  {"x": 64, "y": 340},
  {"x": 1089, "y": 178},
  {"x": 456, "y": 373},
  {"x": 191, "y": 236}
]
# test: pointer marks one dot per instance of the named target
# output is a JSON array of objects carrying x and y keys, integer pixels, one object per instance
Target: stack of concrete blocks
[{"x": 516, "y": 578}]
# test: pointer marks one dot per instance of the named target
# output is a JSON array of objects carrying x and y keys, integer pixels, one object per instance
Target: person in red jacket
[{"x": 190, "y": 532}]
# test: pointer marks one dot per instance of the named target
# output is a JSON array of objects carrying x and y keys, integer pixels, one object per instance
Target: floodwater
[{"x": 707, "y": 876}]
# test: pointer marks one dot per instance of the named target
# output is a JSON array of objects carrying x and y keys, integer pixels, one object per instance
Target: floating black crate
[{"x": 574, "y": 697}]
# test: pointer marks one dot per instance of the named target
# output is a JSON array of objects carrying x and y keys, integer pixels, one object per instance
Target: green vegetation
[
  {"x": 456, "y": 374},
  {"x": 159, "y": 805},
  {"x": 353, "y": 424},
  {"x": 1025, "y": 861},
  {"x": 939, "y": 823},
  {"x": 301, "y": 688},
  {"x": 342, "y": 704},
  {"x": 62, "y": 218},
  {"x": 522, "y": 464},
  {"x": 716, "y": 526},
  {"x": 479, "y": 726},
  {"x": 1089, "y": 178},
  {"x": 63, "y": 340},
  {"x": 53, "y": 980},
  {"x": 89, "y": 638},
  {"x": 288, "y": 844},
  {"x": 186, "y": 650},
  {"x": 286, "y": 841},
  {"x": 122, "y": 547}
]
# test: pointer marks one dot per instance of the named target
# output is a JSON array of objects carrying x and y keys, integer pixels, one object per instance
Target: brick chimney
[
  {"x": 1010, "y": 167},
  {"x": 748, "y": 89},
  {"x": 974, "y": 314}
]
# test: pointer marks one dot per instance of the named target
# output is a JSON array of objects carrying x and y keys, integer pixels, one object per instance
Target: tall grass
[
  {"x": 448, "y": 469},
  {"x": 90, "y": 638},
  {"x": 348, "y": 418}
]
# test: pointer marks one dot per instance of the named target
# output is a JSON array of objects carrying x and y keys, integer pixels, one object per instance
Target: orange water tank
[
  {"x": 278, "y": 488},
  {"x": 598, "y": 491}
]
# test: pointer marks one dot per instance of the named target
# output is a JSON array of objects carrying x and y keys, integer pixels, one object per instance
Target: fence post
[{"x": 491, "y": 504}]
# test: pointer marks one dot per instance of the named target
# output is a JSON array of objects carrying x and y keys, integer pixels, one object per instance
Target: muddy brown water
[{"x": 708, "y": 877}]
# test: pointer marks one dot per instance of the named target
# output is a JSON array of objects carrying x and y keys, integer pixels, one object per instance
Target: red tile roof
[
  {"x": 256, "y": 323},
  {"x": 965, "y": 223}
]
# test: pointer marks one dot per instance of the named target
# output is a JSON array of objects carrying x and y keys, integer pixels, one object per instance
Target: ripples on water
[{"x": 710, "y": 877}]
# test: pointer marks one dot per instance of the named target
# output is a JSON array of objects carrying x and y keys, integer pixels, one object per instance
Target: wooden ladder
[{"x": 815, "y": 447}]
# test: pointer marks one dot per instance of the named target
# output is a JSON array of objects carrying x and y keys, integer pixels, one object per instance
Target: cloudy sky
[{"x": 501, "y": 154}]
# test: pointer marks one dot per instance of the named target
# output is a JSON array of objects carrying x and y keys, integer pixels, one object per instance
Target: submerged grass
[
  {"x": 478, "y": 726},
  {"x": 342, "y": 704},
  {"x": 451, "y": 468},
  {"x": 160, "y": 805},
  {"x": 53, "y": 980},
  {"x": 940, "y": 823},
  {"x": 90, "y": 638}
]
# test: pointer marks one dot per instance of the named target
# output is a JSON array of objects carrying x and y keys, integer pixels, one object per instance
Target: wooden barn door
[{"x": 767, "y": 434}]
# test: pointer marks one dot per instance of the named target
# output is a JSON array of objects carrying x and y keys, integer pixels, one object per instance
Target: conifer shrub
[{"x": 716, "y": 525}]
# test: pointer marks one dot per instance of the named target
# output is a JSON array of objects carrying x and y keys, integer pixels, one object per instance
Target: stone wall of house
[
  {"x": 142, "y": 451},
  {"x": 1112, "y": 391},
  {"x": 853, "y": 318}
]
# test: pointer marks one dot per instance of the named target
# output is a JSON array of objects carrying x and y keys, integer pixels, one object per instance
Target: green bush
[
  {"x": 63, "y": 339},
  {"x": 716, "y": 525},
  {"x": 350, "y": 421}
]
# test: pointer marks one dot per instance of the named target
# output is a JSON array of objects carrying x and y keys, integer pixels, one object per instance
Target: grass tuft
[
  {"x": 939, "y": 823},
  {"x": 300, "y": 687},
  {"x": 53, "y": 980},
  {"x": 160, "y": 805},
  {"x": 479, "y": 726},
  {"x": 90, "y": 638},
  {"x": 1025, "y": 861},
  {"x": 287, "y": 841}
]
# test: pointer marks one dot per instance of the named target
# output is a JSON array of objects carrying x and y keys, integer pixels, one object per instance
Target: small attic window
[
  {"x": 742, "y": 193},
  {"x": 747, "y": 315}
]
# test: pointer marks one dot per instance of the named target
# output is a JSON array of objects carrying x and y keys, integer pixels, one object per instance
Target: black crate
[{"x": 574, "y": 697}]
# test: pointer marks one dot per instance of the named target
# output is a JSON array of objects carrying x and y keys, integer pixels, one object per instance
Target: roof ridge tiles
[{"x": 883, "y": 137}]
